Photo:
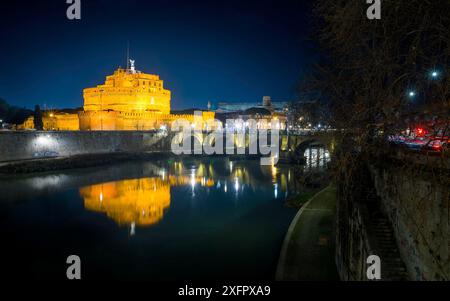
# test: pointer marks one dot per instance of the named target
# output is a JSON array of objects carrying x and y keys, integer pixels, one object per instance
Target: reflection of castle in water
[
  {"x": 140, "y": 201},
  {"x": 144, "y": 201},
  {"x": 137, "y": 202}
]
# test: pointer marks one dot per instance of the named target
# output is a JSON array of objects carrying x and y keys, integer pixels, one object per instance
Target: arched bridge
[
  {"x": 291, "y": 145},
  {"x": 298, "y": 143}
]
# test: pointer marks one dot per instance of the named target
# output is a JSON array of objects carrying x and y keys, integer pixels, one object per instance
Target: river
[{"x": 172, "y": 219}]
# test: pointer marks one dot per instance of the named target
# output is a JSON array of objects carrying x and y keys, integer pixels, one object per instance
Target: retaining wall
[{"x": 36, "y": 144}]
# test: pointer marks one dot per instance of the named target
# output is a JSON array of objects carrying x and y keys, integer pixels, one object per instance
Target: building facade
[
  {"x": 265, "y": 114},
  {"x": 267, "y": 103}
]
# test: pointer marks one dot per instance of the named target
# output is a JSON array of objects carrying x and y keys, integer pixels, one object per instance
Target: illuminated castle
[
  {"x": 128, "y": 91},
  {"x": 128, "y": 100}
]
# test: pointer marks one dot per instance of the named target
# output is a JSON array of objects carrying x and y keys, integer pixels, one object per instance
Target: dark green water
[{"x": 167, "y": 220}]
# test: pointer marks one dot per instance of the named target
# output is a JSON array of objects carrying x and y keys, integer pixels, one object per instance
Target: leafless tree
[{"x": 369, "y": 67}]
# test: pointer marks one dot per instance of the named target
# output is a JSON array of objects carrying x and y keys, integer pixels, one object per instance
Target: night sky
[{"x": 232, "y": 51}]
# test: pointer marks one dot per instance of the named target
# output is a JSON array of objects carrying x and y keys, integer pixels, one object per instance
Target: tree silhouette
[
  {"x": 370, "y": 66},
  {"x": 38, "y": 124}
]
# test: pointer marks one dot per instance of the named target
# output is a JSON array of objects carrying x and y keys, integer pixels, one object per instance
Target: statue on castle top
[{"x": 132, "y": 68}]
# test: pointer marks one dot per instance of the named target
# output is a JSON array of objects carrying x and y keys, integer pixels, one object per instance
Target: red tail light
[
  {"x": 437, "y": 146},
  {"x": 420, "y": 131}
]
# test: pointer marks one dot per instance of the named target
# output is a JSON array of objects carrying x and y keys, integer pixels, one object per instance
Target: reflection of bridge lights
[
  {"x": 193, "y": 179},
  {"x": 218, "y": 184},
  {"x": 275, "y": 190},
  {"x": 316, "y": 157},
  {"x": 101, "y": 197},
  {"x": 236, "y": 184},
  {"x": 274, "y": 171},
  {"x": 225, "y": 188},
  {"x": 273, "y": 159},
  {"x": 133, "y": 229},
  {"x": 231, "y": 166}
]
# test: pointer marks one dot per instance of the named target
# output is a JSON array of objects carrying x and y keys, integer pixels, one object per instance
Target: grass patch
[{"x": 297, "y": 201}]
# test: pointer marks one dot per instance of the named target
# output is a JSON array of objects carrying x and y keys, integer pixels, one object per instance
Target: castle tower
[
  {"x": 128, "y": 91},
  {"x": 267, "y": 101}
]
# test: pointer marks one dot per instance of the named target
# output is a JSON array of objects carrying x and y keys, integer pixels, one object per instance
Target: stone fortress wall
[{"x": 26, "y": 145}]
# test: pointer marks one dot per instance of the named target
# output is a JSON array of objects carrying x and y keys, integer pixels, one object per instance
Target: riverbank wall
[
  {"x": 399, "y": 212},
  {"x": 362, "y": 230},
  {"x": 28, "y": 145},
  {"x": 416, "y": 202}
]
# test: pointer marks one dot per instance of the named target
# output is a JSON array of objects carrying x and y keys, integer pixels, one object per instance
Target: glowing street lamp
[
  {"x": 434, "y": 74},
  {"x": 412, "y": 94}
]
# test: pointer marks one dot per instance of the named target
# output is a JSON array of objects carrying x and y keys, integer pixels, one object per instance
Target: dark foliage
[
  {"x": 12, "y": 114},
  {"x": 38, "y": 124}
]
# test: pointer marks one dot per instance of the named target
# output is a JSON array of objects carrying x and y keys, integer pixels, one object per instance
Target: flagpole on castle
[{"x": 128, "y": 55}]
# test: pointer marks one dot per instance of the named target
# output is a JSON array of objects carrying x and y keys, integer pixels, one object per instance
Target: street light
[
  {"x": 434, "y": 74},
  {"x": 411, "y": 94}
]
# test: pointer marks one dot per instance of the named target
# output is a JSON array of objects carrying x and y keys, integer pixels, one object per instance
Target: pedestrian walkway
[{"x": 308, "y": 248}]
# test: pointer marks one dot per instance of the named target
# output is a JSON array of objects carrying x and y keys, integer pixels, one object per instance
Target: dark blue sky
[{"x": 203, "y": 50}]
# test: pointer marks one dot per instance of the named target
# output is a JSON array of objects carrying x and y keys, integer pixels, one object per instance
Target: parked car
[
  {"x": 433, "y": 138},
  {"x": 439, "y": 141}
]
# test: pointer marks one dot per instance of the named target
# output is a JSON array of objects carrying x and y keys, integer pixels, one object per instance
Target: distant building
[
  {"x": 277, "y": 106},
  {"x": 263, "y": 113}
]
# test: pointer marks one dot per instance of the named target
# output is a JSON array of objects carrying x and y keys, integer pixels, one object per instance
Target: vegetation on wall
[{"x": 12, "y": 114}]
